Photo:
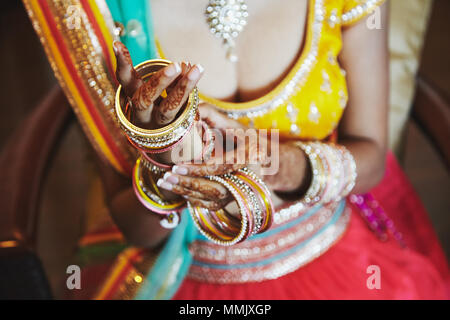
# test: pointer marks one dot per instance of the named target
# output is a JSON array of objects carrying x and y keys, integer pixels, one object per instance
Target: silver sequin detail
[
  {"x": 326, "y": 84},
  {"x": 292, "y": 114},
  {"x": 314, "y": 114},
  {"x": 299, "y": 78},
  {"x": 342, "y": 99},
  {"x": 333, "y": 19}
]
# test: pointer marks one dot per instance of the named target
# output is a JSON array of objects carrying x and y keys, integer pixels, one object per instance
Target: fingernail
[
  {"x": 172, "y": 69},
  {"x": 169, "y": 177},
  {"x": 114, "y": 45},
  {"x": 194, "y": 74},
  {"x": 178, "y": 67},
  {"x": 200, "y": 68},
  {"x": 180, "y": 170},
  {"x": 164, "y": 184}
]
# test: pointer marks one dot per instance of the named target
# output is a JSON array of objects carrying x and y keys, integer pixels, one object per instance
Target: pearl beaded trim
[
  {"x": 359, "y": 11},
  {"x": 297, "y": 81}
]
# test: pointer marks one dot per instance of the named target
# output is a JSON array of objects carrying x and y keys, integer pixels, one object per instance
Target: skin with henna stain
[
  {"x": 364, "y": 51},
  {"x": 125, "y": 73}
]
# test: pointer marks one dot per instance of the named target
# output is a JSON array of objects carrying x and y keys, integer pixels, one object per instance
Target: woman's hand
[
  {"x": 292, "y": 172},
  {"x": 189, "y": 179},
  {"x": 177, "y": 79},
  {"x": 234, "y": 149},
  {"x": 153, "y": 111}
]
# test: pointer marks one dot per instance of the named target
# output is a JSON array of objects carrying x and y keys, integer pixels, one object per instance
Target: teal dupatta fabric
[
  {"x": 173, "y": 262},
  {"x": 136, "y": 17}
]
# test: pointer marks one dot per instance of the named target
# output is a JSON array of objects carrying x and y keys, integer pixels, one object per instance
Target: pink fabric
[{"x": 418, "y": 272}]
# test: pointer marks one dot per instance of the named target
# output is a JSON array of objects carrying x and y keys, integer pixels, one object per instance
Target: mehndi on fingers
[{"x": 205, "y": 197}]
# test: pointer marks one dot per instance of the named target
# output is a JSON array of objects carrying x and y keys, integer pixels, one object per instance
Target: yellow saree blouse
[{"x": 309, "y": 102}]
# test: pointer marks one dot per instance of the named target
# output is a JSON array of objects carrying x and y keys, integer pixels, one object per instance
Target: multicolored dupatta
[
  {"x": 78, "y": 42},
  {"x": 77, "y": 36}
]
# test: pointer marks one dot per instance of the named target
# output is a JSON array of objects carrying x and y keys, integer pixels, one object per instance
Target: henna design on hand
[
  {"x": 175, "y": 98},
  {"x": 206, "y": 187},
  {"x": 125, "y": 73},
  {"x": 210, "y": 205},
  {"x": 197, "y": 187},
  {"x": 146, "y": 94},
  {"x": 170, "y": 105},
  {"x": 178, "y": 95}
]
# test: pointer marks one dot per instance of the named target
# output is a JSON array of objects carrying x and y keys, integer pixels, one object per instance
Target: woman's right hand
[{"x": 177, "y": 79}]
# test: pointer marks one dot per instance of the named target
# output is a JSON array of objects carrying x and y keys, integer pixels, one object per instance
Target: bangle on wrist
[
  {"x": 255, "y": 209},
  {"x": 148, "y": 194},
  {"x": 161, "y": 139},
  {"x": 263, "y": 194},
  {"x": 333, "y": 172},
  {"x": 203, "y": 219}
]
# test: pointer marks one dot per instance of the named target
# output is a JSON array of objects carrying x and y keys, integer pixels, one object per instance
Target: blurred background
[{"x": 420, "y": 125}]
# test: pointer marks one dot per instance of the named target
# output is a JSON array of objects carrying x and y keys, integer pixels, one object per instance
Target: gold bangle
[
  {"x": 201, "y": 217},
  {"x": 263, "y": 192},
  {"x": 161, "y": 138},
  {"x": 256, "y": 216},
  {"x": 319, "y": 177},
  {"x": 149, "y": 198}
]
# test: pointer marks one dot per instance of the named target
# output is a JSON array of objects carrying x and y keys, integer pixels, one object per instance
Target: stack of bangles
[
  {"x": 153, "y": 141},
  {"x": 255, "y": 210},
  {"x": 250, "y": 193},
  {"x": 148, "y": 170},
  {"x": 333, "y": 172}
]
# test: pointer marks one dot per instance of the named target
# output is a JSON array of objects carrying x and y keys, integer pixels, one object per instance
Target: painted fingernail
[
  {"x": 172, "y": 69},
  {"x": 200, "y": 68},
  {"x": 169, "y": 177},
  {"x": 194, "y": 74},
  {"x": 164, "y": 184},
  {"x": 180, "y": 170}
]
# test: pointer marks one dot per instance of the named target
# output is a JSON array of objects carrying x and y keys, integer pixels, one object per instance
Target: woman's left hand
[{"x": 190, "y": 179}]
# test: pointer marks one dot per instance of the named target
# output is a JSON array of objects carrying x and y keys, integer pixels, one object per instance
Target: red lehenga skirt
[{"x": 419, "y": 271}]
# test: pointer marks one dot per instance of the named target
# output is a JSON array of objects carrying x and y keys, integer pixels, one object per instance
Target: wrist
[
  {"x": 302, "y": 180},
  {"x": 294, "y": 174}
]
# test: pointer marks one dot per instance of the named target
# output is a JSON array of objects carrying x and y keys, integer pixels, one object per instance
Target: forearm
[
  {"x": 293, "y": 173},
  {"x": 370, "y": 159},
  {"x": 140, "y": 226}
]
